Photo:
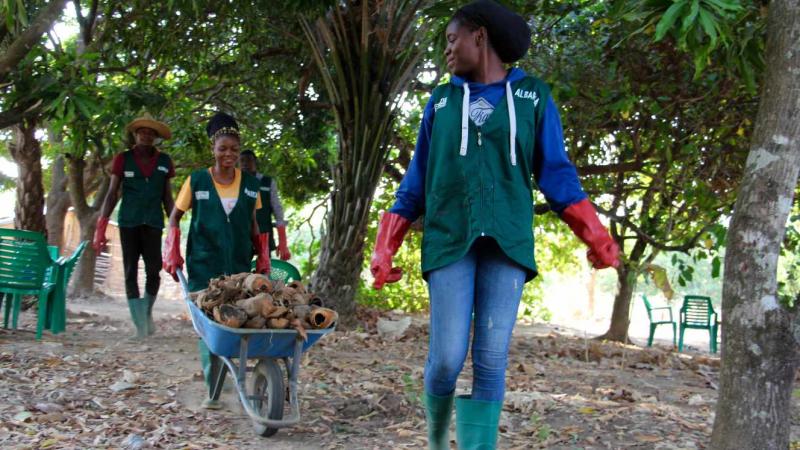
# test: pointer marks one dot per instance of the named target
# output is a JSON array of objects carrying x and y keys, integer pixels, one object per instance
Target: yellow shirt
[{"x": 228, "y": 193}]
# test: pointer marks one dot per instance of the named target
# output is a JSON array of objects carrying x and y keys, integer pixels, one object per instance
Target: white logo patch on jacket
[{"x": 530, "y": 95}]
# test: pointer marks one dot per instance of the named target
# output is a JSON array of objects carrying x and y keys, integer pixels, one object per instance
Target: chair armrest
[{"x": 664, "y": 308}]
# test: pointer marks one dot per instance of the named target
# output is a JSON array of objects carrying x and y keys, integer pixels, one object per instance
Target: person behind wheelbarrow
[
  {"x": 143, "y": 175},
  {"x": 483, "y": 134},
  {"x": 271, "y": 212},
  {"x": 223, "y": 232}
]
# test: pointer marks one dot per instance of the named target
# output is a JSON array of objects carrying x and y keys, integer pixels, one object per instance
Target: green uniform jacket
[
  {"x": 219, "y": 244},
  {"x": 264, "y": 215},
  {"x": 479, "y": 190},
  {"x": 142, "y": 196}
]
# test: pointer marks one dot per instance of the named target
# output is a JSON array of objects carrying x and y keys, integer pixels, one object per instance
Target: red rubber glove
[
  {"x": 100, "y": 234},
  {"x": 582, "y": 219},
  {"x": 283, "y": 248},
  {"x": 172, "y": 261},
  {"x": 261, "y": 244},
  {"x": 391, "y": 231}
]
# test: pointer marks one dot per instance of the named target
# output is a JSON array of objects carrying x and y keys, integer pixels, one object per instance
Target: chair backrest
[
  {"x": 283, "y": 271},
  {"x": 25, "y": 260},
  {"x": 69, "y": 264},
  {"x": 647, "y": 307},
  {"x": 697, "y": 310}
]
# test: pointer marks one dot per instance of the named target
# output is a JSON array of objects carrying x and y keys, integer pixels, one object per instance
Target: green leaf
[
  {"x": 716, "y": 265},
  {"x": 710, "y": 28},
  {"x": 721, "y": 5},
  {"x": 689, "y": 19},
  {"x": 668, "y": 19},
  {"x": 660, "y": 278}
]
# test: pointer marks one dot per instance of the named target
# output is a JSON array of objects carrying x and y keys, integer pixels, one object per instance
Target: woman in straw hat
[
  {"x": 143, "y": 174},
  {"x": 223, "y": 230},
  {"x": 483, "y": 135}
]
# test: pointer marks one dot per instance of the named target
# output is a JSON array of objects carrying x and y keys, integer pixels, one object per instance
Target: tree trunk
[
  {"x": 760, "y": 336},
  {"x": 341, "y": 252},
  {"x": 87, "y": 216},
  {"x": 621, "y": 315},
  {"x": 27, "y": 153},
  {"x": 366, "y": 54},
  {"x": 58, "y": 203},
  {"x": 627, "y": 273}
]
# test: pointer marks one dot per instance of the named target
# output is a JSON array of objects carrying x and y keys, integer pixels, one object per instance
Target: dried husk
[
  {"x": 278, "y": 323},
  {"x": 278, "y": 311},
  {"x": 230, "y": 316},
  {"x": 321, "y": 318},
  {"x": 297, "y": 286},
  {"x": 256, "y": 322},
  {"x": 254, "y": 306},
  {"x": 256, "y": 282}
]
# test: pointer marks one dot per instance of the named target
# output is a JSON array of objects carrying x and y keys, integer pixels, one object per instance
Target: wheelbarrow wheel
[{"x": 267, "y": 394}]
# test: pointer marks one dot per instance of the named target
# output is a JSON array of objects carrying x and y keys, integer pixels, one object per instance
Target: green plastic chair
[
  {"x": 26, "y": 268},
  {"x": 66, "y": 265},
  {"x": 656, "y": 323},
  {"x": 283, "y": 271},
  {"x": 698, "y": 313}
]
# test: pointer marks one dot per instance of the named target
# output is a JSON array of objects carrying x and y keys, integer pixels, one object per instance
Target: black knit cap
[
  {"x": 220, "y": 124},
  {"x": 509, "y": 34}
]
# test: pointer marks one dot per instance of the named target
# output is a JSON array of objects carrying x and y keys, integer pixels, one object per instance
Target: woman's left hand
[{"x": 261, "y": 243}]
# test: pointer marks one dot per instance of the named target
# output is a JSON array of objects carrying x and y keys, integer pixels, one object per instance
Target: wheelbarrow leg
[{"x": 214, "y": 371}]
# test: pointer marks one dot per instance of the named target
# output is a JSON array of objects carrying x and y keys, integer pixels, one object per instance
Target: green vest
[
  {"x": 219, "y": 244},
  {"x": 481, "y": 193},
  {"x": 142, "y": 196},
  {"x": 264, "y": 215}
]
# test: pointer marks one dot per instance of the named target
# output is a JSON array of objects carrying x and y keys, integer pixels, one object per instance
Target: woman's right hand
[
  {"x": 100, "y": 234},
  {"x": 391, "y": 231},
  {"x": 172, "y": 261}
]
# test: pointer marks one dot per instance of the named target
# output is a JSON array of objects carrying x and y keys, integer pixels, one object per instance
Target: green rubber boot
[
  {"x": 205, "y": 361},
  {"x": 476, "y": 423},
  {"x": 438, "y": 410},
  {"x": 151, "y": 326},
  {"x": 138, "y": 308}
]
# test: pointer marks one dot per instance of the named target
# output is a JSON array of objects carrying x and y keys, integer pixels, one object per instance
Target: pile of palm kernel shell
[{"x": 249, "y": 300}]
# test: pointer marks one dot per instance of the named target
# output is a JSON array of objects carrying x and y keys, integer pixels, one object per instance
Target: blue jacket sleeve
[
  {"x": 555, "y": 175},
  {"x": 410, "y": 197}
]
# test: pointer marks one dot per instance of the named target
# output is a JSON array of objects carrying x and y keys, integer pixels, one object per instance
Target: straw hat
[{"x": 147, "y": 121}]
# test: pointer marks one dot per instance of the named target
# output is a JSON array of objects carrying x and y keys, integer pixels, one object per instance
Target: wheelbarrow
[{"x": 263, "y": 394}]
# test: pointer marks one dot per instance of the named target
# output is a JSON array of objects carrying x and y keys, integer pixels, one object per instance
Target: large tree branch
[
  {"x": 684, "y": 247},
  {"x": 601, "y": 169},
  {"x": 19, "y": 113},
  {"x": 23, "y": 44}
]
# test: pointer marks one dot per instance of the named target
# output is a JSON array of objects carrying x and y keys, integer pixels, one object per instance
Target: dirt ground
[{"x": 92, "y": 387}]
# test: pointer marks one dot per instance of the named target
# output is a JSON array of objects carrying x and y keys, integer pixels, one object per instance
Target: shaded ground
[{"x": 358, "y": 390}]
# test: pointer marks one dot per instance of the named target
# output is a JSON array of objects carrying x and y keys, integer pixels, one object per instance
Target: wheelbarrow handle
[{"x": 184, "y": 283}]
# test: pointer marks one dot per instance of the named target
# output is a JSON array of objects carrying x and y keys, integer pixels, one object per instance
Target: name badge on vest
[
  {"x": 249, "y": 193},
  {"x": 264, "y": 188},
  {"x": 201, "y": 195},
  {"x": 163, "y": 169},
  {"x": 128, "y": 174}
]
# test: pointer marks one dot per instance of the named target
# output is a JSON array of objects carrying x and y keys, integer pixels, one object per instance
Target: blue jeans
[{"x": 489, "y": 284}]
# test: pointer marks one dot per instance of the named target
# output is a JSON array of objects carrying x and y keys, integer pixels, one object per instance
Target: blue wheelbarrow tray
[{"x": 265, "y": 345}]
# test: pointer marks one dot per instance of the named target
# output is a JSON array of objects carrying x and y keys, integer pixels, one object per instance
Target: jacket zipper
[{"x": 480, "y": 144}]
